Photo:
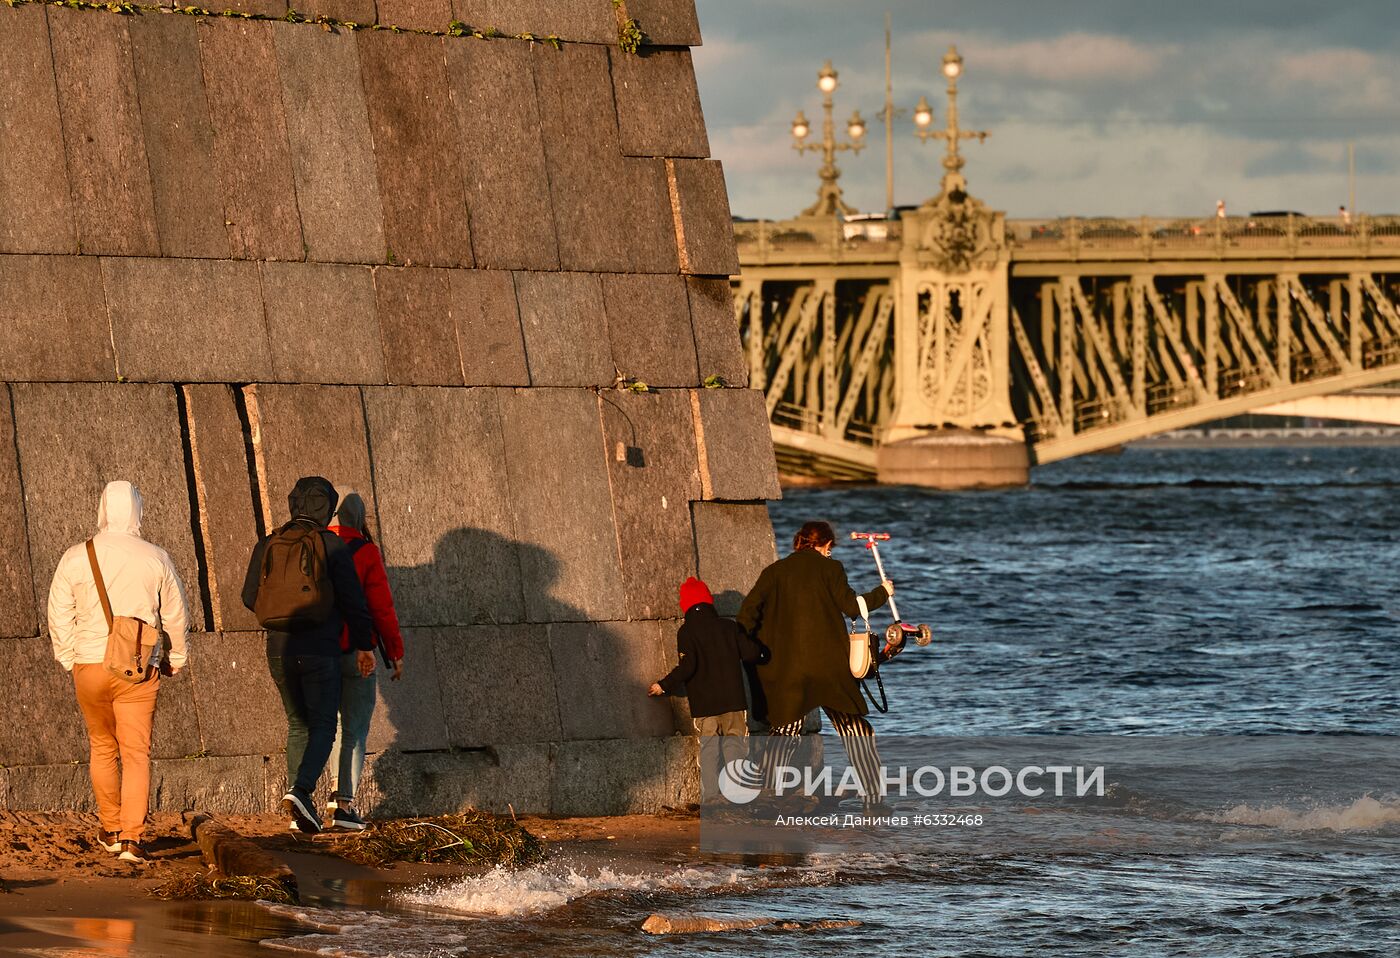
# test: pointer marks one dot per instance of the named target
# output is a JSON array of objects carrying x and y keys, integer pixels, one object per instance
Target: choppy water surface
[{"x": 1152, "y": 593}]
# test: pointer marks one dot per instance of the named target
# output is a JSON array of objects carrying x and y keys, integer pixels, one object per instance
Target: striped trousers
[{"x": 856, "y": 735}]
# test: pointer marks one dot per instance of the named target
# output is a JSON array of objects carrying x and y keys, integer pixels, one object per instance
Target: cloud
[{"x": 1071, "y": 58}]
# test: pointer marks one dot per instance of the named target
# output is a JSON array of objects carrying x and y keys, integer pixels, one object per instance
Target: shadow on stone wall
[{"x": 539, "y": 717}]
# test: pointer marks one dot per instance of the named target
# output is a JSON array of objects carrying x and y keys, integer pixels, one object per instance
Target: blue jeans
[
  {"x": 357, "y": 695},
  {"x": 310, "y": 687}
]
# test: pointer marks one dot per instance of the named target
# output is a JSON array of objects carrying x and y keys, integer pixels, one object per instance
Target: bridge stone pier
[
  {"x": 953, "y": 347},
  {"x": 424, "y": 261}
]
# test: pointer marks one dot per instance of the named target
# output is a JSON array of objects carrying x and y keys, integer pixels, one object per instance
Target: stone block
[
  {"x": 102, "y": 134},
  {"x": 415, "y": 320},
  {"x": 36, "y": 205},
  {"x": 359, "y": 12},
  {"x": 566, "y": 329},
  {"x": 717, "y": 344},
  {"x": 179, "y": 138},
  {"x": 409, "y": 713},
  {"x": 658, "y": 104},
  {"x": 563, "y": 511},
  {"x": 331, "y": 147},
  {"x": 500, "y": 681},
  {"x": 487, "y": 318},
  {"x": 272, "y": 9},
  {"x": 176, "y": 731},
  {"x": 240, "y": 710},
  {"x": 418, "y": 154},
  {"x": 43, "y": 725},
  {"x": 735, "y": 445},
  {"x": 252, "y": 156},
  {"x": 18, "y": 612},
  {"x": 435, "y": 15},
  {"x": 52, "y": 788},
  {"x": 585, "y": 21},
  {"x": 503, "y": 166},
  {"x": 653, "y": 483},
  {"x": 621, "y": 776},
  {"x": 308, "y": 431},
  {"x": 224, "y": 786},
  {"x": 56, "y": 326},
  {"x": 733, "y": 544},
  {"x": 228, "y": 510},
  {"x": 649, "y": 328},
  {"x": 448, "y": 543},
  {"x": 611, "y": 212},
  {"x": 327, "y": 329},
  {"x": 601, "y": 674},
  {"x": 510, "y": 778},
  {"x": 67, "y": 454},
  {"x": 704, "y": 225},
  {"x": 183, "y": 320},
  {"x": 670, "y": 23}
]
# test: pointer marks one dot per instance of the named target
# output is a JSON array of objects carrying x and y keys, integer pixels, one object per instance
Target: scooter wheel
[
  {"x": 925, "y": 636},
  {"x": 894, "y": 635}
]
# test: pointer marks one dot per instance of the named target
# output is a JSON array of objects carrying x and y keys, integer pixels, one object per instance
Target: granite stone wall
[{"x": 234, "y": 251}]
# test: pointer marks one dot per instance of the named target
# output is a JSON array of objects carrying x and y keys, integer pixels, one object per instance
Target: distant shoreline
[{"x": 1262, "y": 442}]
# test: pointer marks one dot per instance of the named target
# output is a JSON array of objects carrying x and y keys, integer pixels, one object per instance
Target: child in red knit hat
[{"x": 710, "y": 673}]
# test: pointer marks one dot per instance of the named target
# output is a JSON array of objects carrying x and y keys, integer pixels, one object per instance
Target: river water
[{"x": 1154, "y": 593}]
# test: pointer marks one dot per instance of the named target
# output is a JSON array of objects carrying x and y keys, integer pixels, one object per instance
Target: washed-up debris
[
  {"x": 697, "y": 924},
  {"x": 467, "y": 838},
  {"x": 201, "y": 886}
]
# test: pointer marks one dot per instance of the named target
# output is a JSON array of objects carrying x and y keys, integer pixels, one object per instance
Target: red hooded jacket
[{"x": 369, "y": 563}]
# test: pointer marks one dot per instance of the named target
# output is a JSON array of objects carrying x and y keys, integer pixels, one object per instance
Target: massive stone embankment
[{"x": 235, "y": 251}]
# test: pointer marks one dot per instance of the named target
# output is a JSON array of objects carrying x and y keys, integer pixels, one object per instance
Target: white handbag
[{"x": 860, "y": 643}]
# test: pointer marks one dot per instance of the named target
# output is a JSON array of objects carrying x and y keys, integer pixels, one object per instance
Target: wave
[
  {"x": 1366, "y": 814},
  {"x": 531, "y": 891}
]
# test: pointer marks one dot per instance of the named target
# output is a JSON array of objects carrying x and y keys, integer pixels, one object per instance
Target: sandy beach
[{"x": 59, "y": 890}]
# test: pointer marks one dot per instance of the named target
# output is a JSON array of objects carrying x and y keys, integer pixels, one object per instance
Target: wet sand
[{"x": 59, "y": 890}]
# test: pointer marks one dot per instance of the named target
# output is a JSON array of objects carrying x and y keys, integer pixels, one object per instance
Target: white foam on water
[
  {"x": 1363, "y": 815},
  {"x": 529, "y": 891}
]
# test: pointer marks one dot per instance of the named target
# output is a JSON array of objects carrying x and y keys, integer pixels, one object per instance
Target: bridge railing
[
  {"x": 793, "y": 416},
  {"x": 1146, "y": 237},
  {"x": 818, "y": 240}
]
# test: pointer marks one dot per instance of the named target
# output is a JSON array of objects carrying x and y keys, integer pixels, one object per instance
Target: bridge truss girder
[
  {"x": 822, "y": 349},
  {"x": 1102, "y": 357}
]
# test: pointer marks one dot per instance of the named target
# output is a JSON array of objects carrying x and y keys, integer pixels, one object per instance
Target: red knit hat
[{"x": 694, "y": 592}]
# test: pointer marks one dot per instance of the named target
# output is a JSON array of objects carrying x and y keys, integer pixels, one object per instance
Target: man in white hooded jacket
[{"x": 141, "y": 583}]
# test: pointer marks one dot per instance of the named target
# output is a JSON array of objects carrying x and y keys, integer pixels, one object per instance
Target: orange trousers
[{"x": 119, "y": 717}]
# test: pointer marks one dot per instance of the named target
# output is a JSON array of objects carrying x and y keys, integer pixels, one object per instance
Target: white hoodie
[{"x": 141, "y": 583}]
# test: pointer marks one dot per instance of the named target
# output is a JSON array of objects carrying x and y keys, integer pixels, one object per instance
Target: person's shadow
[{"x": 497, "y": 713}]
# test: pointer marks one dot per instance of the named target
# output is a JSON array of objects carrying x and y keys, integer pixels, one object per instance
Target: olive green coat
[{"x": 798, "y": 608}]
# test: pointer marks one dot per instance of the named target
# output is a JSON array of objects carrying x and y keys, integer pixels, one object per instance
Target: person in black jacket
[
  {"x": 798, "y": 609},
  {"x": 305, "y": 664},
  {"x": 710, "y": 673}
]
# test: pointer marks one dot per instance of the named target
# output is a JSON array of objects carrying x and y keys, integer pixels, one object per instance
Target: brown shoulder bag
[{"x": 129, "y": 640}]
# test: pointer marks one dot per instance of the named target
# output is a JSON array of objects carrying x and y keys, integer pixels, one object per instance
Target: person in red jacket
[{"x": 357, "y": 694}]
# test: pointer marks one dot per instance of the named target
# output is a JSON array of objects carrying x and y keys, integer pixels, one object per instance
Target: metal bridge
[
  {"x": 1074, "y": 335},
  {"x": 1063, "y": 337}
]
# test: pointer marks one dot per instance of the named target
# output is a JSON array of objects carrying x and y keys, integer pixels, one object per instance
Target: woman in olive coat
[{"x": 798, "y": 609}]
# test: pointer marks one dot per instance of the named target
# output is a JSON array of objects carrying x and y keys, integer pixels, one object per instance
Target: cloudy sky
[{"x": 1096, "y": 107}]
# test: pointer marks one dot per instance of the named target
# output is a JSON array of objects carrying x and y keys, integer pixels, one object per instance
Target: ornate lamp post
[
  {"x": 952, "y": 134},
  {"x": 829, "y": 201}
]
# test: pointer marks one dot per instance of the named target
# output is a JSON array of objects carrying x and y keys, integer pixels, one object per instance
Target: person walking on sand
[
  {"x": 357, "y": 691},
  {"x": 115, "y": 601},
  {"x": 302, "y": 586},
  {"x": 710, "y": 674},
  {"x": 798, "y": 610}
]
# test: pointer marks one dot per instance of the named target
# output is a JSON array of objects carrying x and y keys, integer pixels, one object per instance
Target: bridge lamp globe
[
  {"x": 826, "y": 79},
  {"x": 800, "y": 127},
  {"x": 856, "y": 126},
  {"x": 952, "y": 64},
  {"x": 923, "y": 114}
]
